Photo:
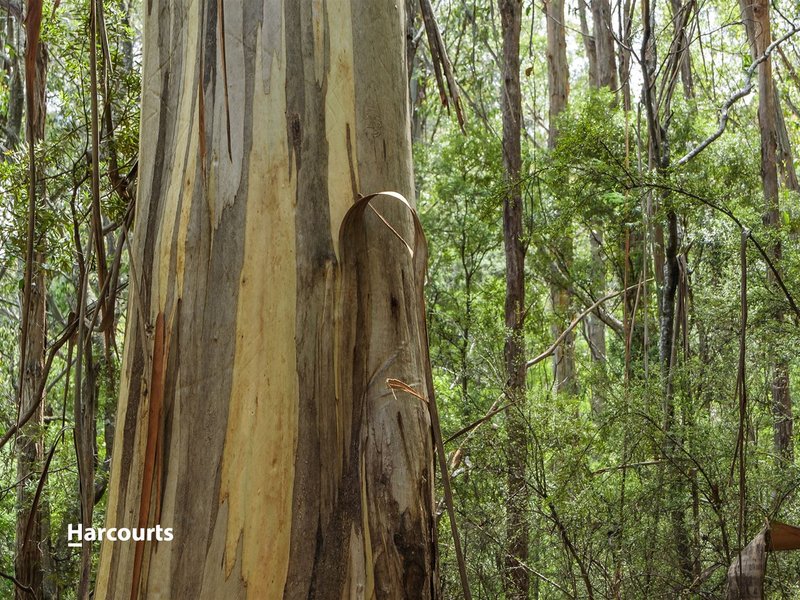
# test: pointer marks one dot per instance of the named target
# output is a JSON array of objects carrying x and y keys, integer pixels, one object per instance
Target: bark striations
[
  {"x": 30, "y": 542},
  {"x": 255, "y": 417},
  {"x": 516, "y": 580}
]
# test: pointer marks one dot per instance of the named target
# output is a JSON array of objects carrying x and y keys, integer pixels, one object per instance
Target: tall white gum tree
[{"x": 274, "y": 399}]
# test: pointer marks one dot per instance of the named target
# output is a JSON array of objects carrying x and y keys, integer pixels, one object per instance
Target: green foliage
[
  {"x": 609, "y": 489},
  {"x": 62, "y": 225}
]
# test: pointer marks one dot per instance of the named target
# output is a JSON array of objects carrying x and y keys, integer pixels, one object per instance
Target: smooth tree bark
[
  {"x": 606, "y": 66},
  {"x": 557, "y": 66},
  {"x": 755, "y": 15},
  {"x": 626, "y": 12},
  {"x": 516, "y": 580},
  {"x": 588, "y": 42},
  {"x": 564, "y": 375},
  {"x": 256, "y": 415},
  {"x": 604, "y": 71}
]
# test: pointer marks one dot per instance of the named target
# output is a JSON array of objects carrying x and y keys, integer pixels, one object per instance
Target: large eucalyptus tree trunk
[
  {"x": 255, "y": 416},
  {"x": 606, "y": 67}
]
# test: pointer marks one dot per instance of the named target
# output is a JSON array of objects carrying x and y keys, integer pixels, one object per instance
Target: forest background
[{"x": 611, "y": 298}]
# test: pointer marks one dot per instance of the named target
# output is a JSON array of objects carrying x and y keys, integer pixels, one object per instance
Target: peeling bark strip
[
  {"x": 390, "y": 443},
  {"x": 151, "y": 449},
  {"x": 745, "y": 580},
  {"x": 266, "y": 435}
]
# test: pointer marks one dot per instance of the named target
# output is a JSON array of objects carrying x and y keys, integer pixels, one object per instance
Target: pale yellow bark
[{"x": 281, "y": 458}]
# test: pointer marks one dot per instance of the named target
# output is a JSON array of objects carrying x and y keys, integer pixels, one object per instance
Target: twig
[
  {"x": 743, "y": 91},
  {"x": 576, "y": 321},
  {"x": 26, "y": 588},
  {"x": 495, "y": 409}
]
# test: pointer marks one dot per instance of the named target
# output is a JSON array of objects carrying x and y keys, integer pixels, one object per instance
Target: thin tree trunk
[
  {"x": 16, "y": 92},
  {"x": 785, "y": 154},
  {"x": 516, "y": 580},
  {"x": 595, "y": 326},
  {"x": 682, "y": 42},
  {"x": 30, "y": 449},
  {"x": 85, "y": 410},
  {"x": 564, "y": 377},
  {"x": 755, "y": 15},
  {"x": 626, "y": 10},
  {"x": 557, "y": 67},
  {"x": 668, "y": 265},
  {"x": 588, "y": 42},
  {"x": 606, "y": 68},
  {"x": 414, "y": 68},
  {"x": 255, "y": 418},
  {"x": 31, "y": 545}
]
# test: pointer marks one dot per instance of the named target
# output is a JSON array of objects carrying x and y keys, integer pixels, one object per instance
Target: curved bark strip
[
  {"x": 381, "y": 336},
  {"x": 745, "y": 579},
  {"x": 273, "y": 446}
]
